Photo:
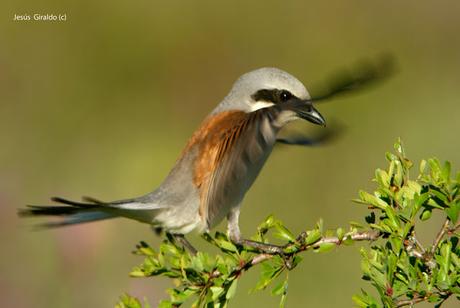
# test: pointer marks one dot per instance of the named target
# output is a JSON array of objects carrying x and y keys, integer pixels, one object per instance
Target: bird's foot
[{"x": 185, "y": 243}]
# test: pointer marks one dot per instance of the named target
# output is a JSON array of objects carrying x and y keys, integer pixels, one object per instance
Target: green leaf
[
  {"x": 452, "y": 211},
  {"x": 435, "y": 169},
  {"x": 320, "y": 225},
  {"x": 296, "y": 260},
  {"x": 284, "y": 233},
  {"x": 312, "y": 236},
  {"x": 279, "y": 288},
  {"x": 348, "y": 240},
  {"x": 414, "y": 188},
  {"x": 422, "y": 166},
  {"x": 165, "y": 304},
  {"x": 360, "y": 301},
  {"x": 144, "y": 249},
  {"x": 433, "y": 298},
  {"x": 269, "y": 222},
  {"x": 169, "y": 248},
  {"x": 444, "y": 262},
  {"x": 372, "y": 200},
  {"x": 390, "y": 157},
  {"x": 127, "y": 301},
  {"x": 382, "y": 178},
  {"x": 232, "y": 289},
  {"x": 340, "y": 233},
  {"x": 433, "y": 203},
  {"x": 268, "y": 273},
  {"x": 446, "y": 171},
  {"x": 222, "y": 241},
  {"x": 426, "y": 214},
  {"x": 325, "y": 247},
  {"x": 216, "y": 292},
  {"x": 364, "y": 300},
  {"x": 419, "y": 201},
  {"x": 391, "y": 267},
  {"x": 137, "y": 272},
  {"x": 398, "y": 174},
  {"x": 398, "y": 147},
  {"x": 440, "y": 195},
  {"x": 393, "y": 220},
  {"x": 356, "y": 224},
  {"x": 180, "y": 296}
]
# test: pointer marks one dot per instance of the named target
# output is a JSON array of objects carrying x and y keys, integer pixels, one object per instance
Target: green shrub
[{"x": 397, "y": 265}]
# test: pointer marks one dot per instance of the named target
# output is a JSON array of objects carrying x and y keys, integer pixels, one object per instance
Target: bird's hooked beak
[{"x": 305, "y": 110}]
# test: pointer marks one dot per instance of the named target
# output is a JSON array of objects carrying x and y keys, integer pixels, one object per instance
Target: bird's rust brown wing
[{"x": 227, "y": 145}]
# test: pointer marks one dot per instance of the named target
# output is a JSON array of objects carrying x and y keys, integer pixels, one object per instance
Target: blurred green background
[{"x": 102, "y": 104}]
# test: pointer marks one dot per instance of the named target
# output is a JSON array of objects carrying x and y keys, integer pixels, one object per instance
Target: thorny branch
[
  {"x": 441, "y": 233},
  {"x": 416, "y": 249},
  {"x": 427, "y": 258},
  {"x": 259, "y": 258},
  {"x": 410, "y": 302},
  {"x": 420, "y": 298}
]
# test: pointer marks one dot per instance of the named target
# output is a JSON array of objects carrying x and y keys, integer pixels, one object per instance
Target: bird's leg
[
  {"x": 233, "y": 228},
  {"x": 183, "y": 241},
  {"x": 235, "y": 235}
]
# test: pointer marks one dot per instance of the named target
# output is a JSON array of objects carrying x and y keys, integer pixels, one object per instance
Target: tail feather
[
  {"x": 72, "y": 211},
  {"x": 92, "y": 200},
  {"x": 91, "y": 209},
  {"x": 44, "y": 210},
  {"x": 91, "y": 203},
  {"x": 76, "y": 219}
]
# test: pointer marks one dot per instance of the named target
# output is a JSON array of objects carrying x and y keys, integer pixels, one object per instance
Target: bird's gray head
[{"x": 266, "y": 87}]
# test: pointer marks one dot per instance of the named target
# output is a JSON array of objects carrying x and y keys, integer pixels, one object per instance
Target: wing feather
[{"x": 236, "y": 149}]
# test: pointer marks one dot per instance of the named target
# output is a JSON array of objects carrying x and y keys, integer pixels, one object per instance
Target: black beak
[{"x": 306, "y": 111}]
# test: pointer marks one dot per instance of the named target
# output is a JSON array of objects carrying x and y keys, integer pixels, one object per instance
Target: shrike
[{"x": 217, "y": 166}]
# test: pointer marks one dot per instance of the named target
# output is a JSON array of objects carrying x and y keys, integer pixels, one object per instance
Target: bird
[{"x": 217, "y": 166}]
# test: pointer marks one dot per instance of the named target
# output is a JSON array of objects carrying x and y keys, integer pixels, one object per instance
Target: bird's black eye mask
[{"x": 275, "y": 96}]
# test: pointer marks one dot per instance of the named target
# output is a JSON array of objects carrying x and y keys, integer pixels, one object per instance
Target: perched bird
[{"x": 217, "y": 166}]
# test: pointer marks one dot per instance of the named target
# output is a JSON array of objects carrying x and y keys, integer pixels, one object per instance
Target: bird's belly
[{"x": 180, "y": 219}]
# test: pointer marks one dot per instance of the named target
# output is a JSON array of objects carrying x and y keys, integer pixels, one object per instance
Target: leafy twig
[
  {"x": 398, "y": 266},
  {"x": 441, "y": 233},
  {"x": 353, "y": 236},
  {"x": 410, "y": 302}
]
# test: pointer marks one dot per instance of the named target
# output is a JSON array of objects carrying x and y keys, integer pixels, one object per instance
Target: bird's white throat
[{"x": 259, "y": 105}]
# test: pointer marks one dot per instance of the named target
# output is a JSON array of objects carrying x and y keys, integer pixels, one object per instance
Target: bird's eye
[{"x": 285, "y": 96}]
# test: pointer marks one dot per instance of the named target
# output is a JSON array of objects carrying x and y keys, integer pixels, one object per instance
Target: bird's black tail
[{"x": 72, "y": 212}]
